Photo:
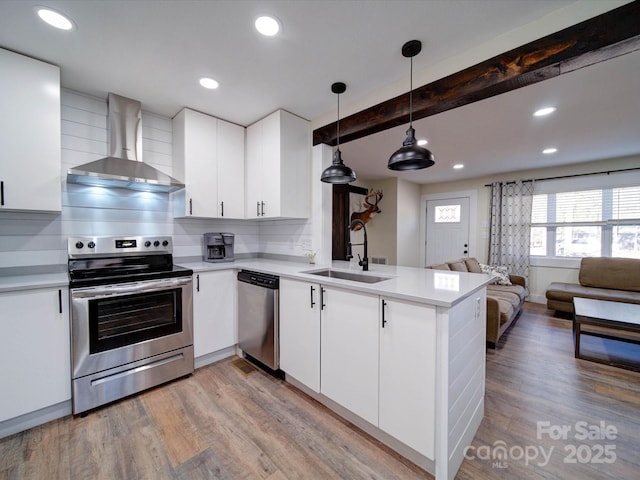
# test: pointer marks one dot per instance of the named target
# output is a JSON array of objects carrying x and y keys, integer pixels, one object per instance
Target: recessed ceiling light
[
  {"x": 55, "y": 19},
  {"x": 267, "y": 26},
  {"x": 458, "y": 166},
  {"x": 422, "y": 141},
  {"x": 549, "y": 151},
  {"x": 209, "y": 83},
  {"x": 544, "y": 111}
]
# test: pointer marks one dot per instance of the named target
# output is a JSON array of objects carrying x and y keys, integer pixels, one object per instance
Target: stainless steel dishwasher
[{"x": 258, "y": 332}]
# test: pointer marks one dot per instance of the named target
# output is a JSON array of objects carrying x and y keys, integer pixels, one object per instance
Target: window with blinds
[{"x": 587, "y": 223}]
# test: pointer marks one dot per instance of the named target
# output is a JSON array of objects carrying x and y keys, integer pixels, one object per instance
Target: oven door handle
[{"x": 124, "y": 288}]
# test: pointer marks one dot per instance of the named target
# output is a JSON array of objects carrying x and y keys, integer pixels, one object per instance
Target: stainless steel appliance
[
  {"x": 258, "y": 329},
  {"x": 124, "y": 167},
  {"x": 218, "y": 247},
  {"x": 131, "y": 317}
]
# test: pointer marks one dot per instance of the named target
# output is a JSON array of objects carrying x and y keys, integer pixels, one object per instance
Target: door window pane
[{"x": 447, "y": 214}]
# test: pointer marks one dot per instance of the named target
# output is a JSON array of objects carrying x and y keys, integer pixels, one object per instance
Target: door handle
[
  {"x": 465, "y": 252},
  {"x": 262, "y": 204},
  {"x": 197, "y": 283},
  {"x": 257, "y": 209},
  {"x": 384, "y": 304},
  {"x": 60, "y": 300},
  {"x": 222, "y": 209},
  {"x": 191, "y": 206},
  {"x": 322, "y": 305},
  {"x": 2, "y": 193},
  {"x": 312, "y": 302}
]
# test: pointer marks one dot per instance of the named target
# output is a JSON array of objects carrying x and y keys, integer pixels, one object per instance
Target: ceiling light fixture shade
[
  {"x": 338, "y": 172},
  {"x": 411, "y": 156}
]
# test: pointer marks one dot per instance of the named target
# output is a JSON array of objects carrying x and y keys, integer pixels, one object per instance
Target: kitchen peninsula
[{"x": 402, "y": 357}]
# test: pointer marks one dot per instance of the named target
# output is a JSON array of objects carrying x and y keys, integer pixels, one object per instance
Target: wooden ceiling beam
[{"x": 606, "y": 36}]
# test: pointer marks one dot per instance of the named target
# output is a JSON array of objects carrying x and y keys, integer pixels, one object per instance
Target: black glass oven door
[{"x": 117, "y": 321}]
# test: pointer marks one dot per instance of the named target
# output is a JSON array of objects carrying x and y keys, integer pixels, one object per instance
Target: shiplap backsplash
[{"x": 38, "y": 239}]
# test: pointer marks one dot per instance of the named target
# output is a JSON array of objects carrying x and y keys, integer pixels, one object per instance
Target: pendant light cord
[
  {"x": 411, "y": 95},
  {"x": 338, "y": 121}
]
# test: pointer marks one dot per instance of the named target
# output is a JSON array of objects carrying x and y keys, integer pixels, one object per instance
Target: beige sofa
[
  {"x": 602, "y": 278},
  {"x": 504, "y": 302}
]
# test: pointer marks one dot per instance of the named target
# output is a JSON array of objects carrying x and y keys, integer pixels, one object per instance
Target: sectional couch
[
  {"x": 602, "y": 278},
  {"x": 504, "y": 302}
]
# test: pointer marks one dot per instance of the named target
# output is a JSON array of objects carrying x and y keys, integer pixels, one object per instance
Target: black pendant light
[
  {"x": 338, "y": 172},
  {"x": 411, "y": 156}
]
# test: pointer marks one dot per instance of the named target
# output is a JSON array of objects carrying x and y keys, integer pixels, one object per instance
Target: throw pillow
[
  {"x": 458, "y": 266},
  {"x": 472, "y": 265},
  {"x": 498, "y": 271}
]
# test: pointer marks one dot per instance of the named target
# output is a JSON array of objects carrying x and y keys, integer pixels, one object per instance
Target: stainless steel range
[{"x": 131, "y": 317}]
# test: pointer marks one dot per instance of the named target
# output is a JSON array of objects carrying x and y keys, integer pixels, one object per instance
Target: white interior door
[{"x": 447, "y": 236}]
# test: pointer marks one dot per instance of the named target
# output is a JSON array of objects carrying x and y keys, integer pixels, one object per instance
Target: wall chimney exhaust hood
[{"x": 124, "y": 167}]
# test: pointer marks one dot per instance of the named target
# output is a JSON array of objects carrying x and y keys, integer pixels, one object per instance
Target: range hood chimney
[{"x": 124, "y": 167}]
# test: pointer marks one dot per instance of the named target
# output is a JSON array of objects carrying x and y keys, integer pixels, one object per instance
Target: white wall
[
  {"x": 540, "y": 276},
  {"x": 408, "y": 229}
]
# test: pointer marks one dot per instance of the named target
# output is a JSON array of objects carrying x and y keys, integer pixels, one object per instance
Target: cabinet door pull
[
  {"x": 257, "y": 209},
  {"x": 312, "y": 302},
  {"x": 60, "y": 300},
  {"x": 2, "y": 193},
  {"x": 222, "y": 209},
  {"x": 322, "y": 305},
  {"x": 191, "y": 206},
  {"x": 262, "y": 204},
  {"x": 197, "y": 283},
  {"x": 384, "y": 304}
]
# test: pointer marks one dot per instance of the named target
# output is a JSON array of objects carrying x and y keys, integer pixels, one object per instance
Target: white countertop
[
  {"x": 420, "y": 285},
  {"x": 33, "y": 281}
]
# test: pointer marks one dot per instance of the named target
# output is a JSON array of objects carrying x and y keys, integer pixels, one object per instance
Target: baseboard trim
[
  {"x": 33, "y": 419},
  {"x": 213, "y": 357}
]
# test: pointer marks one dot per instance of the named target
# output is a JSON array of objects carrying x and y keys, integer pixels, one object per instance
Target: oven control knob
[
  {"x": 147, "y": 243},
  {"x": 165, "y": 243},
  {"x": 79, "y": 244},
  {"x": 91, "y": 245},
  {"x": 156, "y": 243}
]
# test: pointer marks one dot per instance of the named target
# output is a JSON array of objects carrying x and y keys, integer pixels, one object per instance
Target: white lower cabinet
[
  {"x": 34, "y": 350},
  {"x": 213, "y": 311},
  {"x": 374, "y": 356},
  {"x": 300, "y": 331},
  {"x": 349, "y": 351},
  {"x": 408, "y": 374}
]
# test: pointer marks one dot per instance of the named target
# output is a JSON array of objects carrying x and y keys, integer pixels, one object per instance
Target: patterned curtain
[{"x": 511, "y": 225}]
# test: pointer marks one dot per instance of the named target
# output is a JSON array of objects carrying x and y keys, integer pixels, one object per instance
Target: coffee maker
[{"x": 218, "y": 247}]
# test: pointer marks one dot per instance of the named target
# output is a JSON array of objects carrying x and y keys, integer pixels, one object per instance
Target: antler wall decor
[{"x": 370, "y": 210}]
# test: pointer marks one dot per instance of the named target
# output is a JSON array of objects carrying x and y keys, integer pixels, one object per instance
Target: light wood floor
[{"x": 232, "y": 421}]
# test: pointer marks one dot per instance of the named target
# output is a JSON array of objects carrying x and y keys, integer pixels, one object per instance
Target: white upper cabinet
[
  {"x": 278, "y": 166},
  {"x": 30, "y": 151},
  {"x": 208, "y": 154}
]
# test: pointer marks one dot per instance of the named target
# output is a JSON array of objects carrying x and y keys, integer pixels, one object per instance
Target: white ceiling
[{"x": 155, "y": 52}]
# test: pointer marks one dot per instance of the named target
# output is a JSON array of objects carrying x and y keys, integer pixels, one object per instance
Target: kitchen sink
[{"x": 354, "y": 277}]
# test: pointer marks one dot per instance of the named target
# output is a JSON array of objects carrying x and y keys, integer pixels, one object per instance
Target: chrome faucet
[{"x": 363, "y": 262}]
